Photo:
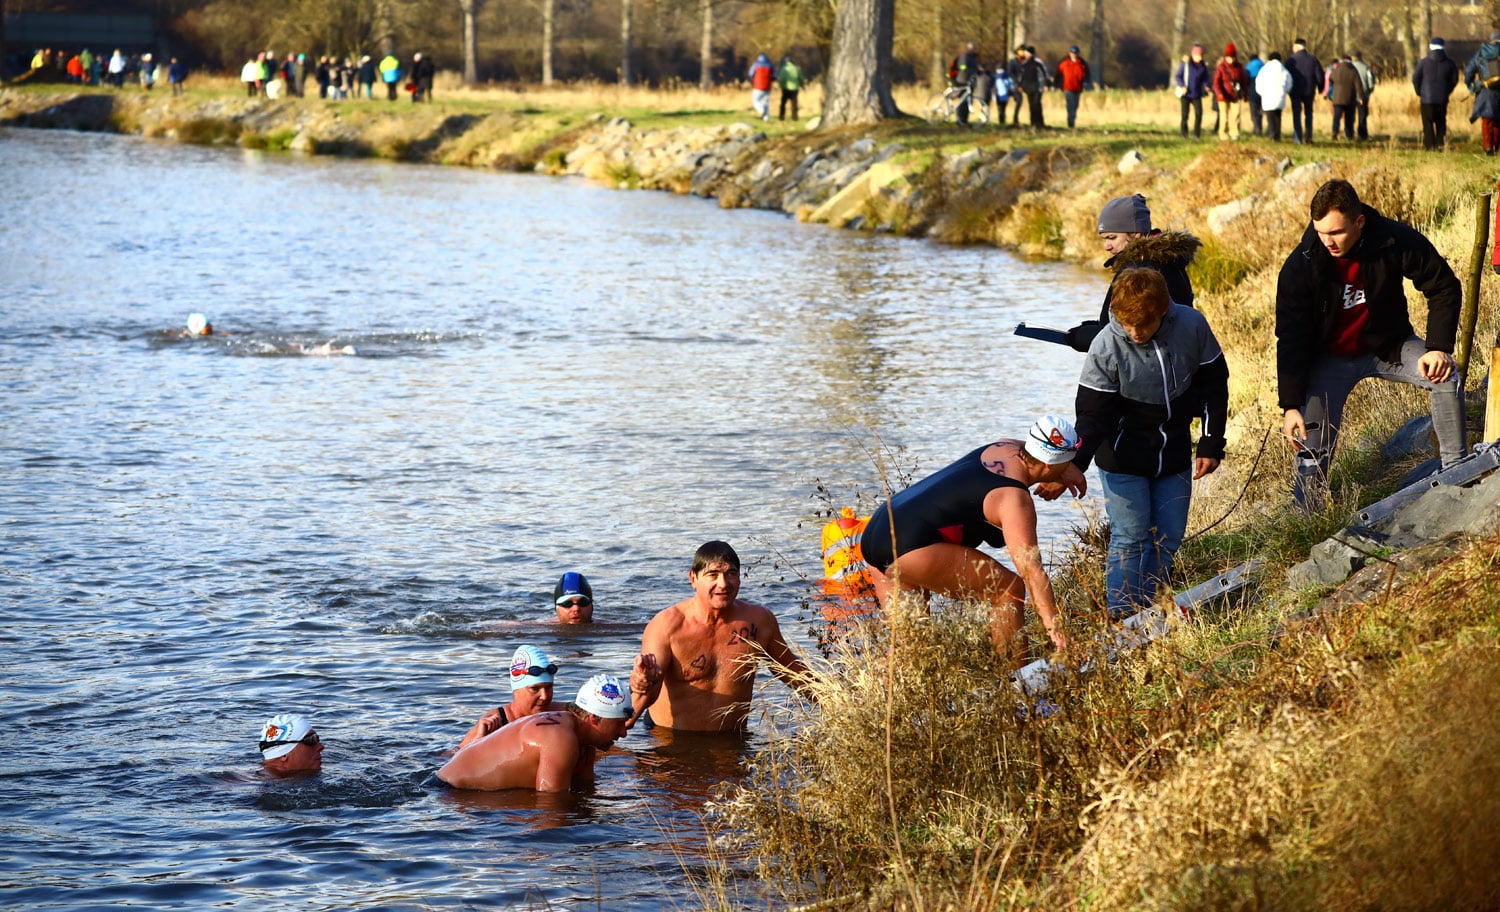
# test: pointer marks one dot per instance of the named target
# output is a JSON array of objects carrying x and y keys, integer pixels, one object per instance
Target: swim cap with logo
[
  {"x": 1053, "y": 440},
  {"x": 196, "y": 323},
  {"x": 604, "y": 696},
  {"x": 281, "y": 734},
  {"x": 572, "y": 585},
  {"x": 530, "y": 666}
]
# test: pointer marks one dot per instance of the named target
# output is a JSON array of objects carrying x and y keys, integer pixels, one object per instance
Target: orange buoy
[{"x": 848, "y": 594}]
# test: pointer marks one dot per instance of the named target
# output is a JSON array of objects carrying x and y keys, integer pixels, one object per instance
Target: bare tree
[
  {"x": 471, "y": 53},
  {"x": 858, "y": 89},
  {"x": 627, "y": 75},
  {"x": 706, "y": 48},
  {"x": 1179, "y": 36},
  {"x": 1096, "y": 43},
  {"x": 384, "y": 31},
  {"x": 549, "y": 8}
]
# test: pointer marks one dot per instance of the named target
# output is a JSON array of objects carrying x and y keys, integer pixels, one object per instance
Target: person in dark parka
[{"x": 1434, "y": 78}]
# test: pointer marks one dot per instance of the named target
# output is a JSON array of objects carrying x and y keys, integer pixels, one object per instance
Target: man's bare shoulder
[{"x": 670, "y": 618}]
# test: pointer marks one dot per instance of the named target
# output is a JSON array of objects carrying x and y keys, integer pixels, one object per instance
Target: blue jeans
[{"x": 1147, "y": 519}]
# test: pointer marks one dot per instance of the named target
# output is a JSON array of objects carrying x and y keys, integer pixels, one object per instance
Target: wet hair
[
  {"x": 1336, "y": 194},
  {"x": 715, "y": 552},
  {"x": 1139, "y": 295}
]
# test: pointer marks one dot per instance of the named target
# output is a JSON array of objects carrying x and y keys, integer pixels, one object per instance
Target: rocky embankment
[{"x": 843, "y": 178}]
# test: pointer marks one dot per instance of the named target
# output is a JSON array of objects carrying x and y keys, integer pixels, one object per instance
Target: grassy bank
[{"x": 1281, "y": 753}]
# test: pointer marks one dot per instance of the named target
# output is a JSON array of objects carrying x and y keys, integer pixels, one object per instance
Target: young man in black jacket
[{"x": 1341, "y": 317}]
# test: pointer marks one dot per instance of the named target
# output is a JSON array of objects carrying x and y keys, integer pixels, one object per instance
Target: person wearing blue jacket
[
  {"x": 1155, "y": 368},
  {"x": 1307, "y": 82},
  {"x": 1435, "y": 78},
  {"x": 1482, "y": 76},
  {"x": 1191, "y": 82}
]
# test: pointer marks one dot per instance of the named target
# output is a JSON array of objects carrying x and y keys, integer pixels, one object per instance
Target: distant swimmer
[
  {"x": 531, "y": 685},
  {"x": 289, "y": 746},
  {"x": 198, "y": 325},
  {"x": 550, "y": 751},
  {"x": 707, "y": 650},
  {"x": 327, "y": 349},
  {"x": 574, "y": 599}
]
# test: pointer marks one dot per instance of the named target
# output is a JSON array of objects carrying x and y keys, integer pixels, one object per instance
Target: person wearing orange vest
[{"x": 762, "y": 75}]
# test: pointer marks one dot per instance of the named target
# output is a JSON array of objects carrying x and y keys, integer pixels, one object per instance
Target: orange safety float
[{"x": 848, "y": 594}]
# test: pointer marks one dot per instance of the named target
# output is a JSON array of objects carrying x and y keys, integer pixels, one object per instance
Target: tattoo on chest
[
  {"x": 745, "y": 633},
  {"x": 699, "y": 664}
]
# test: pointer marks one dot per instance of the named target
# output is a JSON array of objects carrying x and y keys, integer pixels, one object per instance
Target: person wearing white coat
[{"x": 1272, "y": 84}]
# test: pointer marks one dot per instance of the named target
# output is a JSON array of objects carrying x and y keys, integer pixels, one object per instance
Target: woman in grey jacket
[{"x": 1155, "y": 368}]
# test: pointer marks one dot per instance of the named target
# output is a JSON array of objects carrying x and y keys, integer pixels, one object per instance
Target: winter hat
[
  {"x": 604, "y": 696},
  {"x": 1074, "y": 50},
  {"x": 1436, "y": 44},
  {"x": 1125, "y": 215},
  {"x": 1229, "y": 49},
  {"x": 1299, "y": 42}
]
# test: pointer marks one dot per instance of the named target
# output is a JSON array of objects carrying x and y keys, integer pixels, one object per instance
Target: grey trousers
[{"x": 1329, "y": 386}]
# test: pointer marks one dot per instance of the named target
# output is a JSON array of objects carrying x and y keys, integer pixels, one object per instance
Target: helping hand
[
  {"x": 1204, "y": 465},
  {"x": 1293, "y": 428}
]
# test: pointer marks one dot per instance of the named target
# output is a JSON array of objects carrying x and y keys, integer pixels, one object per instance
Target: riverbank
[{"x": 1264, "y": 749}]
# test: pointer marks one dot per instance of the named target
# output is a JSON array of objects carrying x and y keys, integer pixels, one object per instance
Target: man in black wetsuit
[{"x": 927, "y": 537}]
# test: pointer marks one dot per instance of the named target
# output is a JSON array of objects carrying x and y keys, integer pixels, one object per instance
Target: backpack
[{"x": 1492, "y": 73}]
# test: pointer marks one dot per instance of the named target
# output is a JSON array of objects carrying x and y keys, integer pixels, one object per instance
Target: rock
[
  {"x": 960, "y": 165},
  {"x": 761, "y": 172},
  {"x": 864, "y": 146},
  {"x": 1330, "y": 562},
  {"x": 1130, "y": 162},
  {"x": 849, "y": 202},
  {"x": 1304, "y": 177},
  {"x": 1415, "y": 436},
  {"x": 1223, "y": 215}
]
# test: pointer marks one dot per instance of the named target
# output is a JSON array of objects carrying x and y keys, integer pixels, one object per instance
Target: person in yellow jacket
[{"x": 390, "y": 74}]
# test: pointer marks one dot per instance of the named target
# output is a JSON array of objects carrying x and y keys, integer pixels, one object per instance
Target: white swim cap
[
  {"x": 197, "y": 322},
  {"x": 530, "y": 666},
  {"x": 281, "y": 734},
  {"x": 1053, "y": 440},
  {"x": 605, "y": 697}
]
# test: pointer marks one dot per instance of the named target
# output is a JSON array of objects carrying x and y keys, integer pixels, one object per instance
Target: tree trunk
[
  {"x": 1426, "y": 34},
  {"x": 1096, "y": 45},
  {"x": 384, "y": 28},
  {"x": 1263, "y": 26},
  {"x": 1403, "y": 38},
  {"x": 1018, "y": 28},
  {"x": 858, "y": 88},
  {"x": 706, "y": 48},
  {"x": 1179, "y": 37},
  {"x": 627, "y": 75},
  {"x": 549, "y": 8},
  {"x": 471, "y": 53},
  {"x": 939, "y": 75}
]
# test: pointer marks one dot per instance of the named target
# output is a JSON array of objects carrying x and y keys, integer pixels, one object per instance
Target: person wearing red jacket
[
  {"x": 1231, "y": 88},
  {"x": 762, "y": 75},
  {"x": 1072, "y": 76}
]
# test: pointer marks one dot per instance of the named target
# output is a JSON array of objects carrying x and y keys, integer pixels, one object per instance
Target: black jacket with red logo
[{"x": 1309, "y": 296}]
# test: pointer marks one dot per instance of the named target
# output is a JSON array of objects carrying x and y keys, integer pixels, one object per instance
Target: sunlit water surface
[{"x": 545, "y": 376}]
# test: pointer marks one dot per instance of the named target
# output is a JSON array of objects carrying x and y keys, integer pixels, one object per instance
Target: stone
[
  {"x": 1414, "y": 437},
  {"x": 849, "y": 202},
  {"x": 1130, "y": 162},
  {"x": 1329, "y": 563},
  {"x": 1304, "y": 177},
  {"x": 1223, "y": 215},
  {"x": 864, "y": 146}
]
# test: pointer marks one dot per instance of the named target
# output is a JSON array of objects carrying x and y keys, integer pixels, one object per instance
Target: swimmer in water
[
  {"x": 289, "y": 746},
  {"x": 531, "y": 674},
  {"x": 198, "y": 325},
  {"x": 573, "y": 598},
  {"x": 550, "y": 751}
]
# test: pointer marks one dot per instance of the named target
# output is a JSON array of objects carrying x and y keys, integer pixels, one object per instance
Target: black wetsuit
[{"x": 946, "y": 506}]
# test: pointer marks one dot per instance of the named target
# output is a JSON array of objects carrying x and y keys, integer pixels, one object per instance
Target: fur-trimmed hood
[{"x": 1164, "y": 249}]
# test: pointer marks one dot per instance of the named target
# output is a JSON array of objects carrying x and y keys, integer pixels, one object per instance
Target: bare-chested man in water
[
  {"x": 707, "y": 650},
  {"x": 547, "y": 751}
]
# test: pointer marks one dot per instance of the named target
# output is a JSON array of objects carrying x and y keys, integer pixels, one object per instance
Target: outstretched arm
[
  {"x": 655, "y": 658},
  {"x": 786, "y": 664},
  {"x": 1013, "y": 511}
]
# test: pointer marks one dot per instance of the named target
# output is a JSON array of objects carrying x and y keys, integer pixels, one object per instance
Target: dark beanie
[{"x": 1125, "y": 215}]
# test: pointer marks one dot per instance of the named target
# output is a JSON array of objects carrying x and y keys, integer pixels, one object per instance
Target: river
[{"x": 542, "y": 375}]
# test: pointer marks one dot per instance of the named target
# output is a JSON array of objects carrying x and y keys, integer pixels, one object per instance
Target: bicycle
[{"x": 943, "y": 105}]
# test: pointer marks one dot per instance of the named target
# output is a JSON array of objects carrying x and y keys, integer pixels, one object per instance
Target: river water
[{"x": 544, "y": 375}]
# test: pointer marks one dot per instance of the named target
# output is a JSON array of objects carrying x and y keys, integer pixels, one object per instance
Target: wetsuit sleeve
[
  {"x": 1211, "y": 388},
  {"x": 1434, "y": 278},
  {"x": 1098, "y": 395}
]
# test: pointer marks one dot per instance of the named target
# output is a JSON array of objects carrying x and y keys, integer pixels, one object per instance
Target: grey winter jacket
[
  {"x": 1486, "y": 101},
  {"x": 1136, "y": 402}
]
